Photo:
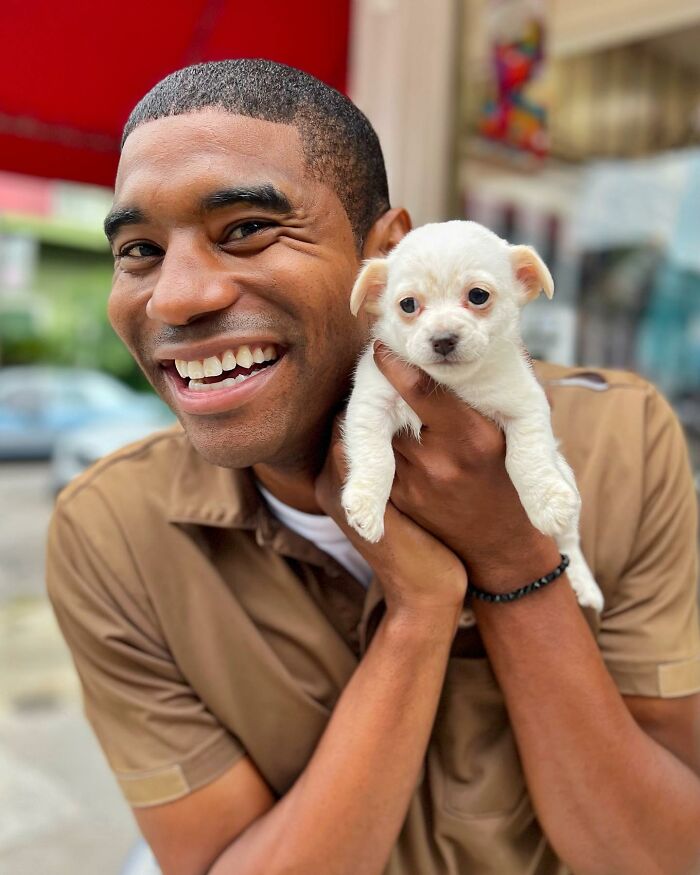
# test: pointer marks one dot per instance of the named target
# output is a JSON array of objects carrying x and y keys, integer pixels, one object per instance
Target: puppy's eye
[
  {"x": 408, "y": 305},
  {"x": 478, "y": 297}
]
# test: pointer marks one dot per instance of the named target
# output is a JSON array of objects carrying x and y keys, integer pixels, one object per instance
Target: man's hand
[
  {"x": 419, "y": 575},
  {"x": 454, "y": 484}
]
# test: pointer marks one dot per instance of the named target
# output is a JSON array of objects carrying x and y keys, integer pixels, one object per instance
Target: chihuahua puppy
[{"x": 447, "y": 299}]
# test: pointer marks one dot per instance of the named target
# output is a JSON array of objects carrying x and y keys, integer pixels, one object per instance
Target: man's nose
[
  {"x": 445, "y": 343},
  {"x": 191, "y": 283}
]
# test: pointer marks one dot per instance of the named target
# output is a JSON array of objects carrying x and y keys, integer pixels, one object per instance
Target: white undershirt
[{"x": 324, "y": 533}]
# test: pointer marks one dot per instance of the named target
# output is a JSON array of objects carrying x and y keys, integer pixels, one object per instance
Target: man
[{"x": 263, "y": 710}]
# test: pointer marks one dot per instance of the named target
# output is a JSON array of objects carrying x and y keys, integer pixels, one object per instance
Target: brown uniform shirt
[{"x": 201, "y": 628}]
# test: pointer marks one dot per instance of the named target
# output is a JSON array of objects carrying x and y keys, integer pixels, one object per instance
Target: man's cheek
[
  {"x": 115, "y": 312},
  {"x": 124, "y": 318}
]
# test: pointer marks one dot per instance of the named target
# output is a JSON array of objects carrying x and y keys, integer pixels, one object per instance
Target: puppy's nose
[{"x": 445, "y": 343}]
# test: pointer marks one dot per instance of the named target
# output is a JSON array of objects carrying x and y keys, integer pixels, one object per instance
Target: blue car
[{"x": 40, "y": 403}]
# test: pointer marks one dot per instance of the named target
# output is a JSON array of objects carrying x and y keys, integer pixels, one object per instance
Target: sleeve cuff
[
  {"x": 168, "y": 783},
  {"x": 664, "y": 680}
]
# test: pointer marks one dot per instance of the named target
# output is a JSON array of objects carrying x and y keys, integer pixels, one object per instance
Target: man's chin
[
  {"x": 235, "y": 445},
  {"x": 219, "y": 447}
]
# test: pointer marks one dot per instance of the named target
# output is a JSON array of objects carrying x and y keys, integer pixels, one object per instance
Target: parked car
[
  {"x": 40, "y": 403},
  {"x": 78, "y": 449}
]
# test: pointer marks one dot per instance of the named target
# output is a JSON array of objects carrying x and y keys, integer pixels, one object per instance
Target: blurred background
[{"x": 571, "y": 126}]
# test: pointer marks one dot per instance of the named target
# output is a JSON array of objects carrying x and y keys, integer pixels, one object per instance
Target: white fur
[{"x": 438, "y": 264}]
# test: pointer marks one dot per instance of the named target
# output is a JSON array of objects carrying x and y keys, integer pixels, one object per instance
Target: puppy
[{"x": 447, "y": 300}]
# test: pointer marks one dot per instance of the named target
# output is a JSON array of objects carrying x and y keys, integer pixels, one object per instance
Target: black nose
[{"x": 445, "y": 343}]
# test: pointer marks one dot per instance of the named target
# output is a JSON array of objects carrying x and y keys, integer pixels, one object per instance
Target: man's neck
[
  {"x": 291, "y": 479},
  {"x": 294, "y": 487}
]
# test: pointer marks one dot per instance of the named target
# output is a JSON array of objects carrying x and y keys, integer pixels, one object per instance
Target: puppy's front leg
[
  {"x": 541, "y": 476},
  {"x": 375, "y": 413},
  {"x": 580, "y": 577}
]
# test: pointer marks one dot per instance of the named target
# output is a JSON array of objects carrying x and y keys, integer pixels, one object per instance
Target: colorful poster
[{"x": 514, "y": 113}]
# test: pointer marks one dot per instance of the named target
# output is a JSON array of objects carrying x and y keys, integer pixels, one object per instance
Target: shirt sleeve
[
  {"x": 649, "y": 633},
  {"x": 157, "y": 735}
]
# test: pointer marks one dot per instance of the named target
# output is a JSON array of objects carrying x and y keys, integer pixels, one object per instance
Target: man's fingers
[
  {"x": 440, "y": 410},
  {"x": 429, "y": 400},
  {"x": 407, "y": 448}
]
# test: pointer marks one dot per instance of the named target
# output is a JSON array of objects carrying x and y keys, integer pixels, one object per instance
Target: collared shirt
[
  {"x": 203, "y": 629},
  {"x": 324, "y": 532}
]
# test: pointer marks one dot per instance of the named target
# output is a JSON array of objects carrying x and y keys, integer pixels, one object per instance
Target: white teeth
[
  {"x": 196, "y": 386},
  {"x": 210, "y": 387},
  {"x": 244, "y": 357},
  {"x": 212, "y": 367},
  {"x": 228, "y": 361}
]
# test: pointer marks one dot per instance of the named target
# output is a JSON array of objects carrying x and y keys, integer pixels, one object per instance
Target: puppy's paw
[
  {"x": 592, "y": 598},
  {"x": 364, "y": 513},
  {"x": 552, "y": 509},
  {"x": 582, "y": 582},
  {"x": 588, "y": 594}
]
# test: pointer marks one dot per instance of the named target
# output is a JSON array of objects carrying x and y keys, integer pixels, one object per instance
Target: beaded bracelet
[{"x": 524, "y": 590}]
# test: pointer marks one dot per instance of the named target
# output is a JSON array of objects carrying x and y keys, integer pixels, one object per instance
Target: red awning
[{"x": 71, "y": 72}]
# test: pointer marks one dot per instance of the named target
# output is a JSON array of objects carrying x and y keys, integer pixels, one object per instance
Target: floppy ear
[
  {"x": 369, "y": 285},
  {"x": 532, "y": 273}
]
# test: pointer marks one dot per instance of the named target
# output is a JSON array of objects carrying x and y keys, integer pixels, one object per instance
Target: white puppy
[{"x": 447, "y": 300}]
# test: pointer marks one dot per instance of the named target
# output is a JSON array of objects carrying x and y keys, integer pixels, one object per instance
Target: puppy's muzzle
[{"x": 443, "y": 344}]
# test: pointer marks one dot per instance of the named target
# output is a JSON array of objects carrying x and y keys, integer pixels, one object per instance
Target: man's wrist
[
  {"x": 530, "y": 562},
  {"x": 417, "y": 623}
]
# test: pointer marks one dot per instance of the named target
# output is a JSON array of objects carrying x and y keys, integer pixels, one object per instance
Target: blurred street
[{"x": 59, "y": 800}]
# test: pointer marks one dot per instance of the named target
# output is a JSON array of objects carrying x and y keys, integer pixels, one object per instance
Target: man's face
[{"x": 223, "y": 241}]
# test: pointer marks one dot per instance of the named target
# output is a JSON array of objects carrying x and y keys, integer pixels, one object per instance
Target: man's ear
[
  {"x": 531, "y": 272},
  {"x": 369, "y": 285},
  {"x": 386, "y": 232}
]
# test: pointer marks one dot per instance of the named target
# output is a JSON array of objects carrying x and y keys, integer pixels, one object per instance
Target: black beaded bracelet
[{"x": 524, "y": 590}]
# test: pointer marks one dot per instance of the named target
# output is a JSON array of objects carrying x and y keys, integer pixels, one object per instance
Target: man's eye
[
  {"x": 408, "y": 305},
  {"x": 140, "y": 250},
  {"x": 245, "y": 229}
]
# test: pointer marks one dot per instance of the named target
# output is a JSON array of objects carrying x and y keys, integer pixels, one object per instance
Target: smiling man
[{"x": 275, "y": 695}]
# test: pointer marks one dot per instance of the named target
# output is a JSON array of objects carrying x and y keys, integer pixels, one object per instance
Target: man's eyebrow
[
  {"x": 120, "y": 216},
  {"x": 267, "y": 197}
]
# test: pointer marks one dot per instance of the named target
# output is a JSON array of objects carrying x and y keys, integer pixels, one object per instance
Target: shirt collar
[{"x": 208, "y": 495}]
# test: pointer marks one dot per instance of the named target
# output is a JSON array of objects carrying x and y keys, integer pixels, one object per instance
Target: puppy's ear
[
  {"x": 531, "y": 272},
  {"x": 369, "y": 285}
]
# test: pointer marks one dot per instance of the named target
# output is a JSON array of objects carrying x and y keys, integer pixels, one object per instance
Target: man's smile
[
  {"x": 228, "y": 389},
  {"x": 213, "y": 366}
]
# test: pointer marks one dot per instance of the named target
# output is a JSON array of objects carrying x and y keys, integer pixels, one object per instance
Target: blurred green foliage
[{"x": 63, "y": 319}]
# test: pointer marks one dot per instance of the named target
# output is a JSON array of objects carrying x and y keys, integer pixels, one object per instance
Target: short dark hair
[{"x": 340, "y": 146}]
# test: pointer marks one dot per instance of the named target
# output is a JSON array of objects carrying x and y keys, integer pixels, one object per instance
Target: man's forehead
[{"x": 209, "y": 149}]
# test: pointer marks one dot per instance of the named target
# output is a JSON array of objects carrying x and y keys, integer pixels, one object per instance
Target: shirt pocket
[{"x": 476, "y": 766}]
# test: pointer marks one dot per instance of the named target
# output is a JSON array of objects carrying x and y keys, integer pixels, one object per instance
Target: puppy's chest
[{"x": 487, "y": 400}]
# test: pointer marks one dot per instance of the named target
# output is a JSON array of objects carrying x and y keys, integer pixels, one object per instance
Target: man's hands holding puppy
[
  {"x": 455, "y": 485},
  {"x": 420, "y": 576},
  {"x": 451, "y": 491}
]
